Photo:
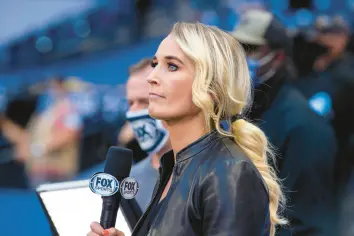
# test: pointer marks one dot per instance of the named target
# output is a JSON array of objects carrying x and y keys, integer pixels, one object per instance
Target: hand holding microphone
[
  {"x": 117, "y": 167},
  {"x": 97, "y": 230}
]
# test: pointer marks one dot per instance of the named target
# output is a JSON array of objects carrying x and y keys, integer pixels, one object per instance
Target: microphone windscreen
[{"x": 118, "y": 162}]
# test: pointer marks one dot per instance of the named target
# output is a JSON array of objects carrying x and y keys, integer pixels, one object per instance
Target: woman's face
[{"x": 170, "y": 93}]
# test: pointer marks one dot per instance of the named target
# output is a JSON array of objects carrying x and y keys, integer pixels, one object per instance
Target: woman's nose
[{"x": 153, "y": 78}]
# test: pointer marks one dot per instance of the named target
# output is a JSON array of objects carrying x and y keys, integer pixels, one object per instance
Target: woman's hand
[{"x": 97, "y": 230}]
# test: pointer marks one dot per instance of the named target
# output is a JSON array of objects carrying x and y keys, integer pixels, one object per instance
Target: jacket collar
[
  {"x": 197, "y": 146},
  {"x": 167, "y": 160}
]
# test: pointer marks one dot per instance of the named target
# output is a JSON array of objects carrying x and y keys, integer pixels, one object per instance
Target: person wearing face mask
[
  {"x": 150, "y": 134},
  {"x": 330, "y": 87},
  {"x": 332, "y": 79},
  {"x": 305, "y": 142}
]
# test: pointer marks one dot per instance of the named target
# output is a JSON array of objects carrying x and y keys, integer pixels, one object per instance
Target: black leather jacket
[{"x": 215, "y": 190}]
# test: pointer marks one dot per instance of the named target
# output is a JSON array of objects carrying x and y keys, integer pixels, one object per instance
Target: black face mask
[{"x": 305, "y": 54}]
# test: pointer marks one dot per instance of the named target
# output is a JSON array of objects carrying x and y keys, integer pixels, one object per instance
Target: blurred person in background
[
  {"x": 305, "y": 143},
  {"x": 330, "y": 89},
  {"x": 150, "y": 133},
  {"x": 12, "y": 173},
  {"x": 350, "y": 46},
  {"x": 86, "y": 100},
  {"x": 50, "y": 147},
  {"x": 126, "y": 137}
]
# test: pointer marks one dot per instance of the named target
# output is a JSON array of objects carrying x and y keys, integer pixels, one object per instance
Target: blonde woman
[{"x": 213, "y": 182}]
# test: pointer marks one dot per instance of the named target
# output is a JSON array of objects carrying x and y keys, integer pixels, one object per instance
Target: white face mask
[{"x": 149, "y": 132}]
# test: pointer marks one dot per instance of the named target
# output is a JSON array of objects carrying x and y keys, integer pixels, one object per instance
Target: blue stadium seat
[
  {"x": 278, "y": 5},
  {"x": 210, "y": 18},
  {"x": 206, "y": 4},
  {"x": 304, "y": 18},
  {"x": 322, "y": 5}
]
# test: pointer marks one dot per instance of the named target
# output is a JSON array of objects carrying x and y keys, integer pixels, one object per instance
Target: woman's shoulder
[
  {"x": 225, "y": 150},
  {"x": 225, "y": 158},
  {"x": 226, "y": 167}
]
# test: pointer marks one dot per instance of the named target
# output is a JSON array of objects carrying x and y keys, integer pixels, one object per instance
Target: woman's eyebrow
[
  {"x": 174, "y": 58},
  {"x": 170, "y": 58}
]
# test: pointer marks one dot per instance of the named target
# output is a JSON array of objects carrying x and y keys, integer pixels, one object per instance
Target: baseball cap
[
  {"x": 336, "y": 24},
  {"x": 260, "y": 27}
]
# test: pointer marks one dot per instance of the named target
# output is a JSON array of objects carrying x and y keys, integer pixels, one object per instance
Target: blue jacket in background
[
  {"x": 306, "y": 150},
  {"x": 336, "y": 87}
]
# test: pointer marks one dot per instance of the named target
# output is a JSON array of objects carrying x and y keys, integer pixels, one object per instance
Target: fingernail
[{"x": 105, "y": 232}]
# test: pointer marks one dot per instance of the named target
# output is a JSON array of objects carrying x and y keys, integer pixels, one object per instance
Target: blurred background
[{"x": 80, "y": 51}]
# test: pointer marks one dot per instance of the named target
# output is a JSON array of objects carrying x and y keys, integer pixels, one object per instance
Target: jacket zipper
[
  {"x": 168, "y": 193},
  {"x": 150, "y": 204}
]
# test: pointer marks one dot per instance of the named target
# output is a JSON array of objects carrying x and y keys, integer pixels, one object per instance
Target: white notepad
[{"x": 72, "y": 207}]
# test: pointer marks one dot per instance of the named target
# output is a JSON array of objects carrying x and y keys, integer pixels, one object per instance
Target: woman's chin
[
  {"x": 156, "y": 113},
  {"x": 161, "y": 113}
]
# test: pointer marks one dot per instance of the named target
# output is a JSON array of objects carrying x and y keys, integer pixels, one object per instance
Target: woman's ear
[{"x": 213, "y": 97}]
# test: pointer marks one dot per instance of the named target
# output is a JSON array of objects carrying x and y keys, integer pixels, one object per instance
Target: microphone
[{"x": 118, "y": 164}]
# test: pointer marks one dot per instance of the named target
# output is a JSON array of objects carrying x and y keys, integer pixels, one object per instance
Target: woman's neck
[
  {"x": 184, "y": 132},
  {"x": 155, "y": 161}
]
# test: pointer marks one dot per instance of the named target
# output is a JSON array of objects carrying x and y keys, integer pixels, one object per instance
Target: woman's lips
[{"x": 155, "y": 95}]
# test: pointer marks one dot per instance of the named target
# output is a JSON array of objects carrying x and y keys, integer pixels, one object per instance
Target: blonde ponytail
[{"x": 254, "y": 144}]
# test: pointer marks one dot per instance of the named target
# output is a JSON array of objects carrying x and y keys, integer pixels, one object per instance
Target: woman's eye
[
  {"x": 153, "y": 64},
  {"x": 172, "y": 67}
]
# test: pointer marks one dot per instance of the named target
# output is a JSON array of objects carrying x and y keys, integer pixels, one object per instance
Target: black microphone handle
[{"x": 109, "y": 211}]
